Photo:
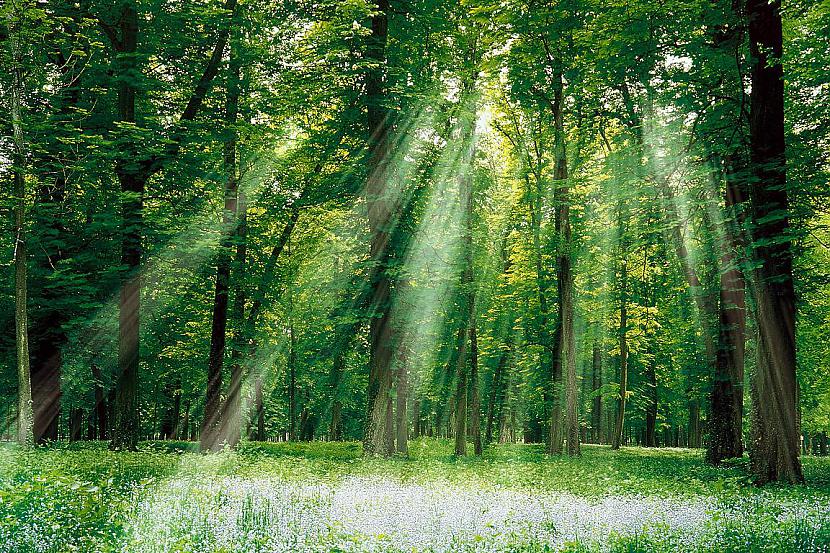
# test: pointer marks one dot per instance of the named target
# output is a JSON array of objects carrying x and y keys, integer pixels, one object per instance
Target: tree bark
[
  {"x": 213, "y": 429},
  {"x": 402, "y": 395},
  {"x": 259, "y": 411},
  {"x": 565, "y": 284},
  {"x": 126, "y": 423},
  {"x": 461, "y": 391},
  {"x": 379, "y": 215},
  {"x": 774, "y": 454},
  {"x": 475, "y": 396},
  {"x": 25, "y": 435},
  {"x": 616, "y": 439},
  {"x": 727, "y": 398},
  {"x": 292, "y": 383},
  {"x": 100, "y": 403},
  {"x": 596, "y": 411}
]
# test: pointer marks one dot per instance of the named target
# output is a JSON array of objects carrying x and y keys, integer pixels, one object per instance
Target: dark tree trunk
[
  {"x": 176, "y": 412},
  {"x": 651, "y": 407},
  {"x": 100, "y": 403},
  {"x": 416, "y": 418},
  {"x": 694, "y": 426},
  {"x": 126, "y": 423},
  {"x": 292, "y": 384},
  {"x": 213, "y": 427},
  {"x": 775, "y": 450},
  {"x": 76, "y": 424},
  {"x": 259, "y": 411},
  {"x": 616, "y": 439},
  {"x": 233, "y": 404},
  {"x": 337, "y": 369},
  {"x": 565, "y": 285},
  {"x": 467, "y": 296},
  {"x": 402, "y": 433},
  {"x": 46, "y": 384},
  {"x": 596, "y": 411},
  {"x": 727, "y": 399},
  {"x": 185, "y": 431},
  {"x": 210, "y": 436},
  {"x": 379, "y": 214},
  {"x": 475, "y": 397}
]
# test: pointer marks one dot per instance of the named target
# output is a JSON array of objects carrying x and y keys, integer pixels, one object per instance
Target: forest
[{"x": 414, "y": 275}]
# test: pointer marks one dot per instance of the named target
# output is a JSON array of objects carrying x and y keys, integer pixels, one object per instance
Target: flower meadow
[{"x": 326, "y": 498}]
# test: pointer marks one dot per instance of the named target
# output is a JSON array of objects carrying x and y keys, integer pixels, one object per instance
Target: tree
[
  {"x": 16, "y": 18},
  {"x": 380, "y": 215},
  {"x": 775, "y": 450}
]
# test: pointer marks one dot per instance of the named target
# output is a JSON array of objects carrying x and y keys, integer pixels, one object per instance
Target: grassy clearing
[{"x": 325, "y": 497}]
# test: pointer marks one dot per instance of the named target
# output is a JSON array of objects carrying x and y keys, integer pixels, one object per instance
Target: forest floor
[{"x": 326, "y": 497}]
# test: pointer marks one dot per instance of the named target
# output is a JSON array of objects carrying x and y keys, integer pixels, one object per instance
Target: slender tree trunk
[
  {"x": 616, "y": 439},
  {"x": 416, "y": 418},
  {"x": 233, "y": 409},
  {"x": 461, "y": 392},
  {"x": 259, "y": 411},
  {"x": 596, "y": 411},
  {"x": 25, "y": 417},
  {"x": 774, "y": 453},
  {"x": 292, "y": 383},
  {"x": 100, "y": 403},
  {"x": 475, "y": 397},
  {"x": 402, "y": 433},
  {"x": 231, "y": 418},
  {"x": 176, "y": 411},
  {"x": 467, "y": 294},
  {"x": 211, "y": 437},
  {"x": 76, "y": 424}
]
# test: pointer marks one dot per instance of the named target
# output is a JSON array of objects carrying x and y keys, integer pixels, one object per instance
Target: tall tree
[
  {"x": 379, "y": 210},
  {"x": 211, "y": 437},
  {"x": 16, "y": 22},
  {"x": 775, "y": 449}
]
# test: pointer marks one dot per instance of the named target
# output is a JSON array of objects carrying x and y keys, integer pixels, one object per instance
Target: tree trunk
[
  {"x": 212, "y": 437},
  {"x": 379, "y": 215},
  {"x": 402, "y": 433},
  {"x": 616, "y": 439},
  {"x": 292, "y": 383},
  {"x": 76, "y": 424},
  {"x": 231, "y": 419},
  {"x": 260, "y": 410},
  {"x": 565, "y": 284},
  {"x": 651, "y": 407},
  {"x": 25, "y": 417},
  {"x": 100, "y": 403},
  {"x": 774, "y": 453},
  {"x": 727, "y": 398},
  {"x": 475, "y": 397},
  {"x": 461, "y": 392},
  {"x": 416, "y": 418},
  {"x": 596, "y": 411},
  {"x": 126, "y": 423}
]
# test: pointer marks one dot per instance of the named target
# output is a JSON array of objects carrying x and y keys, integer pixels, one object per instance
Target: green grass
[{"x": 82, "y": 497}]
